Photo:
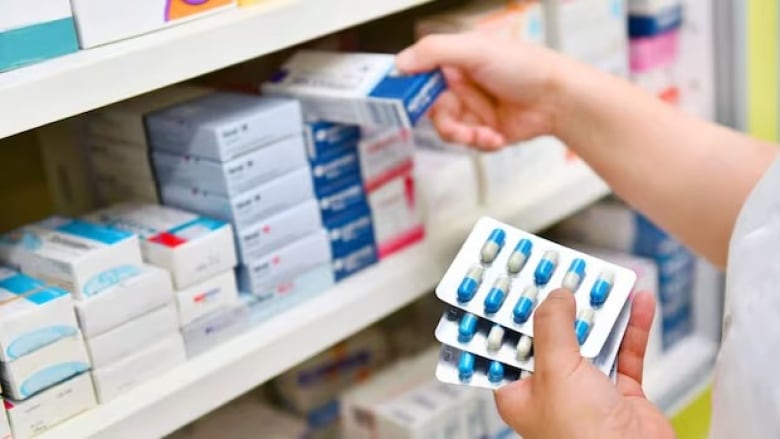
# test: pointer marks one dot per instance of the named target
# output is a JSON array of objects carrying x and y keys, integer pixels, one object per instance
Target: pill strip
[{"x": 459, "y": 367}]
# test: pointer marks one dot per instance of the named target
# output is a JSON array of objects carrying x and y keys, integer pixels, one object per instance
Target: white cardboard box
[
  {"x": 43, "y": 411},
  {"x": 130, "y": 299},
  {"x": 150, "y": 361},
  {"x": 278, "y": 230},
  {"x": 214, "y": 328},
  {"x": 384, "y": 155},
  {"x": 446, "y": 184},
  {"x": 130, "y": 337},
  {"x": 45, "y": 367},
  {"x": 396, "y": 214},
  {"x": 223, "y": 126},
  {"x": 5, "y": 428},
  {"x": 190, "y": 247},
  {"x": 82, "y": 257},
  {"x": 206, "y": 297},
  {"x": 32, "y": 315}
]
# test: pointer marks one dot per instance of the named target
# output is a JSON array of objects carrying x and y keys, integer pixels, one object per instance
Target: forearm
[{"x": 688, "y": 176}]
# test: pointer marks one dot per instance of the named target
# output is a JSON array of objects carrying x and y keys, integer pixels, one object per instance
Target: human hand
[
  {"x": 499, "y": 91},
  {"x": 568, "y": 397}
]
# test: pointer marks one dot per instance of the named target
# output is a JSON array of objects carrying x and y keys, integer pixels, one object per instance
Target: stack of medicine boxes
[
  {"x": 117, "y": 148},
  {"x": 333, "y": 154},
  {"x": 199, "y": 254},
  {"x": 241, "y": 158}
]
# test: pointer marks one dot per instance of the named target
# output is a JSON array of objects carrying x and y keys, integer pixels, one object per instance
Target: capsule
[
  {"x": 583, "y": 324},
  {"x": 601, "y": 288},
  {"x": 493, "y": 246},
  {"x": 495, "y": 298},
  {"x": 470, "y": 283},
  {"x": 546, "y": 268},
  {"x": 495, "y": 338},
  {"x": 495, "y": 372},
  {"x": 525, "y": 305},
  {"x": 465, "y": 366},
  {"x": 519, "y": 256},
  {"x": 524, "y": 347},
  {"x": 574, "y": 276},
  {"x": 467, "y": 327}
]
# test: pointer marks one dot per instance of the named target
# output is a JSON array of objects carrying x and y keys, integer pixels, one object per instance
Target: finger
[
  {"x": 514, "y": 404},
  {"x": 471, "y": 96},
  {"x": 462, "y": 50},
  {"x": 556, "y": 350},
  {"x": 631, "y": 357}
]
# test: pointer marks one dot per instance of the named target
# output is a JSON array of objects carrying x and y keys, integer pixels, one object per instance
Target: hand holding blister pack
[{"x": 493, "y": 287}]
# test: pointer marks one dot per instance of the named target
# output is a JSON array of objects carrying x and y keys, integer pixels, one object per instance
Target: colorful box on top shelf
[
  {"x": 105, "y": 21},
  {"x": 31, "y": 33}
]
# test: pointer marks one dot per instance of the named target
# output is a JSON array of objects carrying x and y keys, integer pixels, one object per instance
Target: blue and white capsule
[
  {"x": 583, "y": 324},
  {"x": 573, "y": 277},
  {"x": 525, "y": 305},
  {"x": 497, "y": 295},
  {"x": 466, "y": 366},
  {"x": 546, "y": 268},
  {"x": 524, "y": 347},
  {"x": 599, "y": 293},
  {"x": 492, "y": 247},
  {"x": 519, "y": 256},
  {"x": 467, "y": 327},
  {"x": 470, "y": 284},
  {"x": 495, "y": 338},
  {"x": 495, "y": 372}
]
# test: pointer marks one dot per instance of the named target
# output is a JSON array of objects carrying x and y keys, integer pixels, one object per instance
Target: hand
[
  {"x": 499, "y": 91},
  {"x": 567, "y": 397}
]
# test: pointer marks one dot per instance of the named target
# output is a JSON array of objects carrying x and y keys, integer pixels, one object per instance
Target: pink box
[{"x": 653, "y": 52}]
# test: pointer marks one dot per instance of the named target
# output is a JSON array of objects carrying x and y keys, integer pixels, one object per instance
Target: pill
[
  {"x": 519, "y": 256},
  {"x": 525, "y": 304},
  {"x": 495, "y": 338},
  {"x": 495, "y": 298},
  {"x": 493, "y": 246},
  {"x": 546, "y": 267},
  {"x": 574, "y": 276},
  {"x": 465, "y": 366},
  {"x": 470, "y": 283},
  {"x": 495, "y": 372},
  {"x": 583, "y": 324},
  {"x": 524, "y": 346},
  {"x": 467, "y": 327},
  {"x": 601, "y": 288}
]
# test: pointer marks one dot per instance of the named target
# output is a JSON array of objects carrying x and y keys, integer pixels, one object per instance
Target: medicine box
[
  {"x": 327, "y": 172},
  {"x": 56, "y": 362},
  {"x": 267, "y": 275},
  {"x": 43, "y": 411},
  {"x": 278, "y": 230},
  {"x": 105, "y": 21},
  {"x": 5, "y": 428},
  {"x": 323, "y": 139},
  {"x": 32, "y": 315},
  {"x": 214, "y": 329},
  {"x": 355, "y": 88},
  {"x": 129, "y": 299},
  {"x": 234, "y": 176},
  {"x": 245, "y": 209},
  {"x": 396, "y": 215},
  {"x": 223, "y": 126},
  {"x": 354, "y": 261},
  {"x": 132, "y": 336},
  {"x": 82, "y": 257},
  {"x": 342, "y": 196},
  {"x": 14, "y": 244},
  {"x": 192, "y": 248},
  {"x": 114, "y": 157},
  {"x": 446, "y": 184},
  {"x": 33, "y": 34},
  {"x": 206, "y": 297},
  {"x": 150, "y": 361},
  {"x": 384, "y": 155},
  {"x": 662, "y": 21},
  {"x": 350, "y": 231}
]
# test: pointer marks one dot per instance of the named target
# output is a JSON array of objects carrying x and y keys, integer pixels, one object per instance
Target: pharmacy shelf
[
  {"x": 222, "y": 374},
  {"x": 74, "y": 84}
]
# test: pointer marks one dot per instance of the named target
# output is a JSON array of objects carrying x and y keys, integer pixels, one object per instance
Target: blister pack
[{"x": 497, "y": 280}]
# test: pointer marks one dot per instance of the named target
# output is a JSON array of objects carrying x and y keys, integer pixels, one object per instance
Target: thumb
[
  {"x": 513, "y": 402},
  {"x": 464, "y": 50},
  {"x": 556, "y": 350}
]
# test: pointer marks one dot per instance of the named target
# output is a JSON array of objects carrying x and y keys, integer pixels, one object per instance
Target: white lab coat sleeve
[{"x": 746, "y": 391}]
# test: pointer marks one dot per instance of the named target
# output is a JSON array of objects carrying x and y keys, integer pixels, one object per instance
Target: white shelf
[
  {"x": 80, "y": 82},
  {"x": 220, "y": 375}
]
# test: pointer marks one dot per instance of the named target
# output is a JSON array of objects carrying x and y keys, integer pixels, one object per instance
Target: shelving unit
[{"x": 209, "y": 381}]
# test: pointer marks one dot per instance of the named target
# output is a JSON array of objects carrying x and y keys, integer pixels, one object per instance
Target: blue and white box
[
  {"x": 355, "y": 88},
  {"x": 234, "y": 176},
  {"x": 344, "y": 195},
  {"x": 355, "y": 261},
  {"x": 661, "y": 21},
  {"x": 33, "y": 33},
  {"x": 247, "y": 208},
  {"x": 192, "y": 248},
  {"x": 278, "y": 230},
  {"x": 45, "y": 367},
  {"x": 223, "y": 126},
  {"x": 323, "y": 138},
  {"x": 350, "y": 231},
  {"x": 32, "y": 315},
  {"x": 332, "y": 170}
]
